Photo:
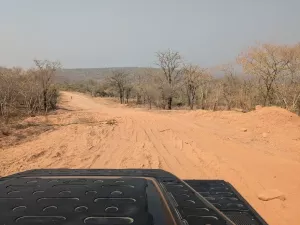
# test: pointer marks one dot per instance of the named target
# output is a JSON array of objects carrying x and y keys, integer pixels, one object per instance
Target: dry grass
[
  {"x": 85, "y": 120},
  {"x": 5, "y": 131},
  {"x": 16, "y": 133},
  {"x": 111, "y": 122}
]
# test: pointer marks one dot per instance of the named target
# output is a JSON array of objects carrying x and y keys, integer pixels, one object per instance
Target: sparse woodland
[
  {"x": 28, "y": 92},
  {"x": 265, "y": 74}
]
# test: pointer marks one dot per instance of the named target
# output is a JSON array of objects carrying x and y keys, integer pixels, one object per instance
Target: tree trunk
[
  {"x": 121, "y": 97},
  {"x": 192, "y": 102},
  {"x": 215, "y": 105},
  {"x": 124, "y": 96},
  {"x": 188, "y": 98},
  {"x": 127, "y": 97},
  {"x": 138, "y": 99},
  {"x": 150, "y": 103},
  {"x": 191, "y": 106},
  {"x": 193, "y": 98},
  {"x": 170, "y": 103},
  {"x": 45, "y": 100},
  {"x": 228, "y": 104}
]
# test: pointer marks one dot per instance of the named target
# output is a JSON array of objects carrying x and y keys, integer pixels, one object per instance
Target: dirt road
[{"x": 256, "y": 152}]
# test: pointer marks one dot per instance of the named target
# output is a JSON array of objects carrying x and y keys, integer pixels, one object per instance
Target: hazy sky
[{"x": 96, "y": 33}]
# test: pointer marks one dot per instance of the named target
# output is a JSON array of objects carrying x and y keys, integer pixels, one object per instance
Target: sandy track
[{"x": 195, "y": 145}]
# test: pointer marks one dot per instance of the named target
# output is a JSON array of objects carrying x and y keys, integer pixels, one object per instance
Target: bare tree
[
  {"x": 204, "y": 90},
  {"x": 288, "y": 85},
  {"x": 30, "y": 90},
  {"x": 231, "y": 86},
  {"x": 138, "y": 81},
  {"x": 22, "y": 92},
  {"x": 8, "y": 91},
  {"x": 170, "y": 62},
  {"x": 127, "y": 91},
  {"x": 266, "y": 61},
  {"x": 119, "y": 80},
  {"x": 152, "y": 88},
  {"x": 45, "y": 74},
  {"x": 193, "y": 77},
  {"x": 216, "y": 96}
]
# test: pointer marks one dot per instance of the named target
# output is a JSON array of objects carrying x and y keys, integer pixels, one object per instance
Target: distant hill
[{"x": 71, "y": 75}]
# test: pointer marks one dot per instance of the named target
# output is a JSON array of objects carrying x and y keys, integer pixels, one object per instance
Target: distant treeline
[
  {"x": 28, "y": 92},
  {"x": 271, "y": 76}
]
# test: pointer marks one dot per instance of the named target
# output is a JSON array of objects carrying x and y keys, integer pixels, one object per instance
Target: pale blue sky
[{"x": 96, "y": 33}]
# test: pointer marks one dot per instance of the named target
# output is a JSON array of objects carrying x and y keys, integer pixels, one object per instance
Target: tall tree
[
  {"x": 119, "y": 80},
  {"x": 170, "y": 62},
  {"x": 288, "y": 85},
  {"x": 267, "y": 62},
  {"x": 45, "y": 74},
  {"x": 193, "y": 77},
  {"x": 231, "y": 85}
]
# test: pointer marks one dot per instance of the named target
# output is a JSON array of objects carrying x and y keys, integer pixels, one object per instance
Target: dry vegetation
[
  {"x": 270, "y": 76},
  {"x": 20, "y": 132},
  {"x": 28, "y": 92},
  {"x": 25, "y": 93}
]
